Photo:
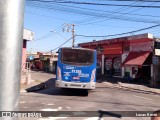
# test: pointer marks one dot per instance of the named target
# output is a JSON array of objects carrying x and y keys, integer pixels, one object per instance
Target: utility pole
[
  {"x": 73, "y": 36},
  {"x": 71, "y": 27},
  {"x": 11, "y": 39}
]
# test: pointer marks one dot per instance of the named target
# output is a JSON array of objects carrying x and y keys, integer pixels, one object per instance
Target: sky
[{"x": 49, "y": 20}]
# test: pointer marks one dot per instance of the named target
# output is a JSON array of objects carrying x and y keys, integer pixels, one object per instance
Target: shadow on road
[
  {"x": 49, "y": 88},
  {"x": 108, "y": 114}
]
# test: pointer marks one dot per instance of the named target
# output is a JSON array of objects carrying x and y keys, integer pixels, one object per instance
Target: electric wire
[
  {"x": 98, "y": 15},
  {"x": 117, "y": 11},
  {"x": 122, "y": 33},
  {"x": 74, "y": 11},
  {"x": 91, "y": 3},
  {"x": 60, "y": 45},
  {"x": 51, "y": 33}
]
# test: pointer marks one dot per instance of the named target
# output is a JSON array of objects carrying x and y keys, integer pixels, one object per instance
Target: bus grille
[{"x": 75, "y": 85}]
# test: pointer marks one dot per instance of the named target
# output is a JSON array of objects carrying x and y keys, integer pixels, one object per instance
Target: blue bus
[{"x": 76, "y": 68}]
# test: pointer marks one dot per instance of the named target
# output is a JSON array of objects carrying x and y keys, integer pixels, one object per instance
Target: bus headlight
[
  {"x": 59, "y": 73},
  {"x": 93, "y": 75}
]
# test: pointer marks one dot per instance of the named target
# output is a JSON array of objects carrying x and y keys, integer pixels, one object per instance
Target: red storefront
[{"x": 123, "y": 55}]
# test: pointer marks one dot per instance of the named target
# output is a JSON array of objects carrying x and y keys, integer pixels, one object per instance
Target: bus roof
[{"x": 79, "y": 48}]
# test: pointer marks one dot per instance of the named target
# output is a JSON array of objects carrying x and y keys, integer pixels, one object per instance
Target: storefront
[
  {"x": 137, "y": 65},
  {"x": 125, "y": 56}
]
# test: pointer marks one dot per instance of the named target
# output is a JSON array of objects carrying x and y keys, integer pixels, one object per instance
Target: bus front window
[{"x": 76, "y": 56}]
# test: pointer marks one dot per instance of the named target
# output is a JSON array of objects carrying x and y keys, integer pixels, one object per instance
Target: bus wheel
[{"x": 86, "y": 92}]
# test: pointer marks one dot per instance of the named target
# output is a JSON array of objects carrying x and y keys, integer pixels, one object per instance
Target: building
[
  {"x": 25, "y": 70},
  {"x": 125, "y": 57},
  {"x": 44, "y": 61},
  {"x": 27, "y": 36}
]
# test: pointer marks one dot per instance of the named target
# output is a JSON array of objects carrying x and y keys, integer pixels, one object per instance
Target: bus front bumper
[{"x": 63, "y": 84}]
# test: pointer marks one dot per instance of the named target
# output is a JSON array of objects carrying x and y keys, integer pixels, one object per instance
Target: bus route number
[{"x": 76, "y": 71}]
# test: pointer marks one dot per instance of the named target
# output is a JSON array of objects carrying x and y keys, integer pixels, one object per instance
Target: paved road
[{"x": 106, "y": 98}]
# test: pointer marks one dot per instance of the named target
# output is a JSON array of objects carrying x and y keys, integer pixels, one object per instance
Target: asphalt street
[{"x": 104, "y": 98}]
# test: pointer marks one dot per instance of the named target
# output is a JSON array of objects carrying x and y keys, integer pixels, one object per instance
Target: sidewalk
[
  {"x": 121, "y": 83},
  {"x": 140, "y": 87},
  {"x": 39, "y": 80}
]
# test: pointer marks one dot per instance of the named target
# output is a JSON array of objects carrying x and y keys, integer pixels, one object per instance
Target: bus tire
[{"x": 86, "y": 92}]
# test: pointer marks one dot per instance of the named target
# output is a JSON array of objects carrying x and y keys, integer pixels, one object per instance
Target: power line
[
  {"x": 98, "y": 0},
  {"x": 46, "y": 16},
  {"x": 110, "y": 13},
  {"x": 51, "y": 33},
  {"x": 82, "y": 22},
  {"x": 61, "y": 44},
  {"x": 122, "y": 33},
  {"x": 91, "y": 3},
  {"x": 101, "y": 0},
  {"x": 97, "y": 10},
  {"x": 134, "y": 0},
  {"x": 117, "y": 11},
  {"x": 112, "y": 16}
]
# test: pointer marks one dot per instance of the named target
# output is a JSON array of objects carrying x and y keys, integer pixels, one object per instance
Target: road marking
[
  {"x": 94, "y": 118},
  {"x": 52, "y": 118},
  {"x": 59, "y": 108},
  {"x": 25, "y": 107},
  {"x": 142, "y": 97},
  {"x": 50, "y": 109},
  {"x": 50, "y": 104},
  {"x": 32, "y": 101},
  {"x": 67, "y": 107},
  {"x": 22, "y": 102}
]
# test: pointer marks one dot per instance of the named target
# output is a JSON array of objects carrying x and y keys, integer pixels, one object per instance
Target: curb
[{"x": 140, "y": 87}]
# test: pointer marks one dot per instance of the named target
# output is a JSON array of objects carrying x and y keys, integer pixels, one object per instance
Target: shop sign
[
  {"x": 157, "y": 52},
  {"x": 157, "y": 47},
  {"x": 155, "y": 60}
]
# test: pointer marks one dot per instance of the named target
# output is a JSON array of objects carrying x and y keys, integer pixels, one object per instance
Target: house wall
[{"x": 24, "y": 53}]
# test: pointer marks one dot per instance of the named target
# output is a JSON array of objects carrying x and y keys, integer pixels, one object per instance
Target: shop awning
[{"x": 136, "y": 58}]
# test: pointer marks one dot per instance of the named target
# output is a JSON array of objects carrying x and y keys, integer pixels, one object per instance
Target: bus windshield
[{"x": 77, "y": 56}]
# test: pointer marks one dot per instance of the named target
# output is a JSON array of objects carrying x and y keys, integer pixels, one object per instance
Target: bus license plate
[{"x": 76, "y": 78}]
